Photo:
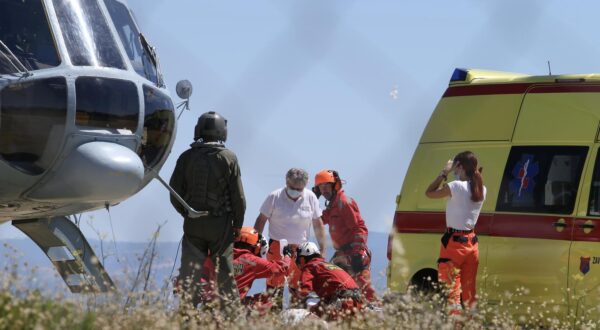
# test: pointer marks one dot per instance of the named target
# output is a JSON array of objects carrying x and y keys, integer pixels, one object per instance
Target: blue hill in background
[{"x": 122, "y": 261}]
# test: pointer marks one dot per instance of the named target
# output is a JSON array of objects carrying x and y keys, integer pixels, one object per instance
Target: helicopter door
[{"x": 69, "y": 252}]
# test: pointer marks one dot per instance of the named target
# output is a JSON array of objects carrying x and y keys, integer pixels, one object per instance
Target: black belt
[
  {"x": 345, "y": 247},
  {"x": 464, "y": 239},
  {"x": 457, "y": 238},
  {"x": 458, "y": 231}
]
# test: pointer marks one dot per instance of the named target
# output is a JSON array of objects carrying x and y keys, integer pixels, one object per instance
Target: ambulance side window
[
  {"x": 594, "y": 203},
  {"x": 541, "y": 179}
]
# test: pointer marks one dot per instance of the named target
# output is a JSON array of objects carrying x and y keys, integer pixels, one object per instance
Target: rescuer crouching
[
  {"x": 339, "y": 295},
  {"x": 249, "y": 264}
]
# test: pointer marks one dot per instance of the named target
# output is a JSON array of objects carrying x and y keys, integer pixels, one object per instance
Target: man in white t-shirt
[{"x": 290, "y": 211}]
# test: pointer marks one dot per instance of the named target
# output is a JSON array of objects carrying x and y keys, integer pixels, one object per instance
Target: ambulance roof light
[{"x": 459, "y": 75}]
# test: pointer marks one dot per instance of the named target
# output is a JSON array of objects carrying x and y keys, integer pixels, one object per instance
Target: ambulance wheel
[{"x": 424, "y": 282}]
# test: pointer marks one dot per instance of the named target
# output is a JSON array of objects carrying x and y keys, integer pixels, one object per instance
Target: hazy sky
[{"x": 347, "y": 85}]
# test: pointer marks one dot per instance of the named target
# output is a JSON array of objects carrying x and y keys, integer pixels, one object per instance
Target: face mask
[{"x": 293, "y": 193}]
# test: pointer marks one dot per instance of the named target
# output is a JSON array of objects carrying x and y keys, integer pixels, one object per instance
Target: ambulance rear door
[
  {"x": 568, "y": 112},
  {"x": 584, "y": 261}
]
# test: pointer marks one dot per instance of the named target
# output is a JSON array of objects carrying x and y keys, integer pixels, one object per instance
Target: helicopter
[{"x": 86, "y": 121}]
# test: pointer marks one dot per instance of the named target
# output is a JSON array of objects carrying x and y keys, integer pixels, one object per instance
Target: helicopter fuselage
[{"x": 84, "y": 113}]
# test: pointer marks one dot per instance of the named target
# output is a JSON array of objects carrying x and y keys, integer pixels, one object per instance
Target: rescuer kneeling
[
  {"x": 339, "y": 295},
  {"x": 249, "y": 264}
]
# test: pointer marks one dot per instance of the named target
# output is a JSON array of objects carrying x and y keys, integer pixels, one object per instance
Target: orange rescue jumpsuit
[
  {"x": 339, "y": 294},
  {"x": 349, "y": 236},
  {"x": 457, "y": 267},
  {"x": 277, "y": 280}
]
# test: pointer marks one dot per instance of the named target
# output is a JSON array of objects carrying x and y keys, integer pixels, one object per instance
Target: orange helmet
[
  {"x": 249, "y": 236},
  {"x": 328, "y": 176}
]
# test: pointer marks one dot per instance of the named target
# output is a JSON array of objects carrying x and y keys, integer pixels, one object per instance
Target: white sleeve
[{"x": 267, "y": 207}]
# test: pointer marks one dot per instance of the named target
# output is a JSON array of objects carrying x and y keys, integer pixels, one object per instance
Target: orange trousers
[{"x": 457, "y": 268}]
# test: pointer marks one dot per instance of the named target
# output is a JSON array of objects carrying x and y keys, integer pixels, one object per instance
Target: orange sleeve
[
  {"x": 351, "y": 215},
  {"x": 306, "y": 282},
  {"x": 265, "y": 268}
]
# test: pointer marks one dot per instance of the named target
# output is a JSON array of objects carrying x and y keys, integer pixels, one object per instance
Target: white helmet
[{"x": 308, "y": 249}]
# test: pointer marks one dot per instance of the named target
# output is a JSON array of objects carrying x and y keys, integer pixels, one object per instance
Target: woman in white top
[
  {"x": 290, "y": 211},
  {"x": 459, "y": 253}
]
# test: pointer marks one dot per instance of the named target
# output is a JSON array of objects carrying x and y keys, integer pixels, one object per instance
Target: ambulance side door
[
  {"x": 528, "y": 252},
  {"x": 584, "y": 263}
]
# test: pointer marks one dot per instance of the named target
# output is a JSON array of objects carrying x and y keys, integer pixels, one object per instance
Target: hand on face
[
  {"x": 448, "y": 167},
  {"x": 457, "y": 171}
]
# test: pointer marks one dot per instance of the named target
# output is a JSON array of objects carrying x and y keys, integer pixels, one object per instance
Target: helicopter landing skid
[{"x": 70, "y": 253}]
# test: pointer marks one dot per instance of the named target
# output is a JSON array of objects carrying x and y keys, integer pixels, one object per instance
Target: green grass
[
  {"x": 34, "y": 310},
  {"x": 157, "y": 308}
]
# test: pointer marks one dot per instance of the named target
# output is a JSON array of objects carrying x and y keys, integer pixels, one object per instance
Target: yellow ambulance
[{"x": 537, "y": 139}]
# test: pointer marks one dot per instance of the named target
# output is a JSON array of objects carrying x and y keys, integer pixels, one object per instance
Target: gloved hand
[
  {"x": 287, "y": 251},
  {"x": 317, "y": 191},
  {"x": 359, "y": 249}
]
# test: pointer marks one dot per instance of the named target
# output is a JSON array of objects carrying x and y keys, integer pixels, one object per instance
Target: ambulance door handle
[{"x": 586, "y": 226}]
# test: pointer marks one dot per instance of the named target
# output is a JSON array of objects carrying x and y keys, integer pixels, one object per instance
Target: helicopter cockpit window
[
  {"x": 159, "y": 123},
  {"x": 86, "y": 33},
  {"x": 32, "y": 123},
  {"x": 130, "y": 37},
  {"x": 111, "y": 104},
  {"x": 24, "y": 30}
]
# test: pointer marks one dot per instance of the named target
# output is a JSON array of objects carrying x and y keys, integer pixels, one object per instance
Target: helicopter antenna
[
  {"x": 184, "y": 90},
  {"x": 107, "y": 206},
  {"x": 549, "y": 69},
  {"x": 184, "y": 105}
]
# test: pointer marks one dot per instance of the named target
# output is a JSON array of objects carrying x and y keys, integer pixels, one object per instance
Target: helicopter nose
[{"x": 93, "y": 172}]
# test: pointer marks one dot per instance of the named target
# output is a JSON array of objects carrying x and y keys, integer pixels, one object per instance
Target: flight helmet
[{"x": 211, "y": 127}]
